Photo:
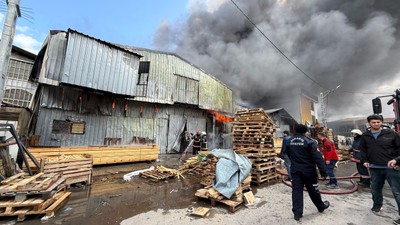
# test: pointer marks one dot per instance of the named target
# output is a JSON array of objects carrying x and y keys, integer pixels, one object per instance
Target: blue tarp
[{"x": 231, "y": 171}]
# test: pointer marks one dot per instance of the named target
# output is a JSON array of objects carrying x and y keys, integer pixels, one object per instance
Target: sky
[
  {"x": 128, "y": 22},
  {"x": 354, "y": 44}
]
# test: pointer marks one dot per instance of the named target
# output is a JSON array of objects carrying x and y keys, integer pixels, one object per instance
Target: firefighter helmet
[{"x": 356, "y": 132}]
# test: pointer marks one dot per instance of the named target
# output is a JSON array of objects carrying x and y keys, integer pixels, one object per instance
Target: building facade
[{"x": 92, "y": 92}]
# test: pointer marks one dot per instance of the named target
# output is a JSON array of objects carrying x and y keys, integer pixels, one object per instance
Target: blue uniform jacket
[{"x": 304, "y": 156}]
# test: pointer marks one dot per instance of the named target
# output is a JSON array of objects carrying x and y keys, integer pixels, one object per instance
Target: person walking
[
  {"x": 355, "y": 152},
  {"x": 379, "y": 147},
  {"x": 304, "y": 157},
  {"x": 283, "y": 154},
  {"x": 330, "y": 157}
]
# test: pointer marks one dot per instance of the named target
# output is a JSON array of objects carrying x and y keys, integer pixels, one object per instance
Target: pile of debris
[
  {"x": 201, "y": 165},
  {"x": 252, "y": 136},
  {"x": 41, "y": 194}
]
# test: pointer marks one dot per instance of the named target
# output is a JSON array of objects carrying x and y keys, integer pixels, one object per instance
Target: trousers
[
  {"x": 378, "y": 177},
  {"x": 310, "y": 180}
]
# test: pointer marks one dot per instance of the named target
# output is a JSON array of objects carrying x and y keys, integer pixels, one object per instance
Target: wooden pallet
[
  {"x": 232, "y": 205},
  {"x": 264, "y": 165},
  {"x": 33, "y": 206},
  {"x": 259, "y": 179},
  {"x": 74, "y": 168},
  {"x": 264, "y": 170},
  {"x": 156, "y": 175},
  {"x": 41, "y": 184},
  {"x": 256, "y": 150},
  {"x": 240, "y": 145}
]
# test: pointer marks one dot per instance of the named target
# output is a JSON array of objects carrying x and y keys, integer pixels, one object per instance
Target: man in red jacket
[{"x": 331, "y": 158}]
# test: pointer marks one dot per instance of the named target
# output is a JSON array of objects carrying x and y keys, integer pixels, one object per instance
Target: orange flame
[{"x": 221, "y": 117}]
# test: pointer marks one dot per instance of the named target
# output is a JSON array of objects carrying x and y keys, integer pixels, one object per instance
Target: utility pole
[
  {"x": 13, "y": 11},
  {"x": 323, "y": 96}
]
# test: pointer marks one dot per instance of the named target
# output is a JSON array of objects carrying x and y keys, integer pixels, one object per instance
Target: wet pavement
[{"x": 110, "y": 199}]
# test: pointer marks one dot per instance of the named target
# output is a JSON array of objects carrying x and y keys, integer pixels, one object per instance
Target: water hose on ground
[{"x": 341, "y": 192}]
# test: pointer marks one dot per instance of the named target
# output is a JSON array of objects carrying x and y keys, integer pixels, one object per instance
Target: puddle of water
[{"x": 109, "y": 200}]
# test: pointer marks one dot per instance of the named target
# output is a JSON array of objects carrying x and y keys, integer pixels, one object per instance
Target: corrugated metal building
[{"x": 96, "y": 93}]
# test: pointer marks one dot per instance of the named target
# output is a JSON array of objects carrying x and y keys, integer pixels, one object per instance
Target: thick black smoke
[{"x": 351, "y": 43}]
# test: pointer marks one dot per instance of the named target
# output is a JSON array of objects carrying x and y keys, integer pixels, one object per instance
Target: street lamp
[{"x": 323, "y": 96}]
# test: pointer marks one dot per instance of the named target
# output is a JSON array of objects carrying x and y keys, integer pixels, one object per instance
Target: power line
[
  {"x": 366, "y": 93},
  {"x": 276, "y": 47},
  {"x": 283, "y": 54}
]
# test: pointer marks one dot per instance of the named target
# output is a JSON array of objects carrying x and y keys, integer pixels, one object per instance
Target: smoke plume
[{"x": 351, "y": 43}]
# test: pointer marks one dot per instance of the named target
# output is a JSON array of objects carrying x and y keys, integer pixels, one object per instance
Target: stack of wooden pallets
[
  {"x": 252, "y": 136},
  {"x": 36, "y": 195}
]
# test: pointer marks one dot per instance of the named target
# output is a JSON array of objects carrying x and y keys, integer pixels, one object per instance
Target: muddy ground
[{"x": 110, "y": 200}]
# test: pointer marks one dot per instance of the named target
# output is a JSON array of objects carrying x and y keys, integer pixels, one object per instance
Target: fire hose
[{"x": 348, "y": 191}]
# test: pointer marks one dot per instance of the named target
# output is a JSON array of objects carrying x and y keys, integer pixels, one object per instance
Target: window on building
[
  {"x": 19, "y": 69},
  {"x": 68, "y": 127},
  {"x": 18, "y": 97},
  {"x": 144, "y": 69}
]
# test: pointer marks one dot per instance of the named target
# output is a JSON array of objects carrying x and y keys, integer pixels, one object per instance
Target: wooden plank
[
  {"x": 24, "y": 181},
  {"x": 12, "y": 178},
  {"x": 249, "y": 197},
  {"x": 62, "y": 164},
  {"x": 93, "y": 148},
  {"x": 201, "y": 211},
  {"x": 58, "y": 203},
  {"x": 28, "y": 202},
  {"x": 49, "y": 201},
  {"x": 66, "y": 170},
  {"x": 103, "y": 154}
]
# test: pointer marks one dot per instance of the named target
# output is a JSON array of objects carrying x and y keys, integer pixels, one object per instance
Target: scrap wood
[
  {"x": 156, "y": 175},
  {"x": 201, "y": 211},
  {"x": 12, "y": 178},
  {"x": 178, "y": 174},
  {"x": 249, "y": 197}
]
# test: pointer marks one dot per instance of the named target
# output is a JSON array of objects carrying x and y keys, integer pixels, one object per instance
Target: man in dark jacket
[
  {"x": 304, "y": 158},
  {"x": 378, "y": 148}
]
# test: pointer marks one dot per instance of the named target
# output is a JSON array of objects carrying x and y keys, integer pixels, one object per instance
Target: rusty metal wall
[
  {"x": 167, "y": 83},
  {"x": 148, "y": 120},
  {"x": 215, "y": 95},
  {"x": 162, "y": 84}
]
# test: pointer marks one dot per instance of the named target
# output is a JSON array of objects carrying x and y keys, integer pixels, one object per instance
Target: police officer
[{"x": 304, "y": 156}]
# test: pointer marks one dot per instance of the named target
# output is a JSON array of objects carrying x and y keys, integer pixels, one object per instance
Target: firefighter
[
  {"x": 304, "y": 157},
  {"x": 203, "y": 141},
  {"x": 196, "y": 142},
  {"x": 365, "y": 180}
]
